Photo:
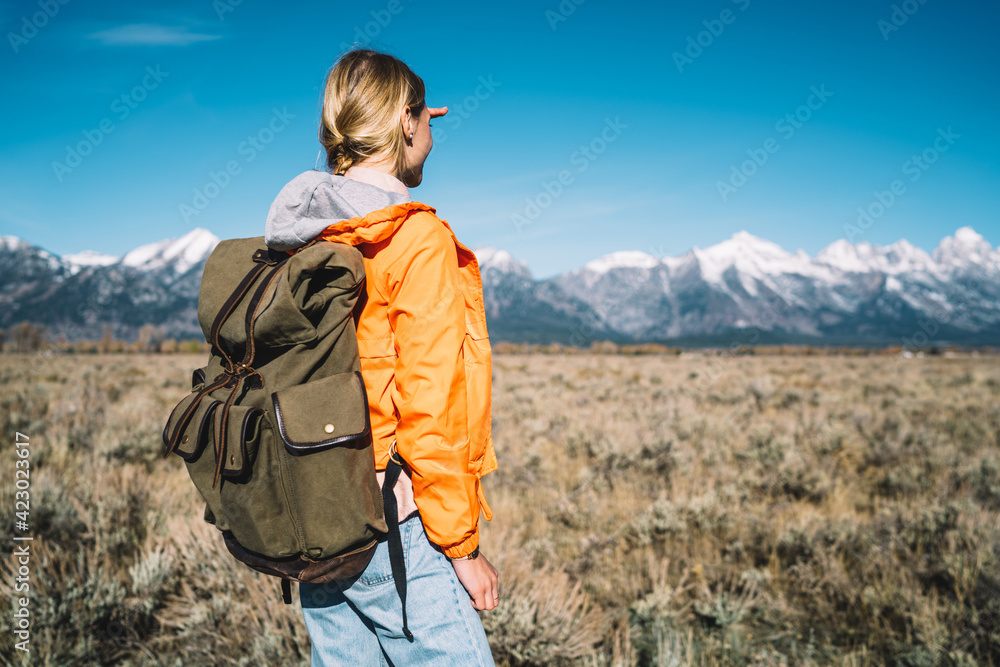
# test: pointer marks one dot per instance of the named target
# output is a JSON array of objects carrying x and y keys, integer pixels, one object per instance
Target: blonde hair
[{"x": 364, "y": 94}]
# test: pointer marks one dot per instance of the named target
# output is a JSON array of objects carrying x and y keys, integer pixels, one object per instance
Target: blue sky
[{"x": 654, "y": 116}]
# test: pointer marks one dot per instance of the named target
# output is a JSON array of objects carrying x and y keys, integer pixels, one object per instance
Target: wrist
[
  {"x": 463, "y": 548},
  {"x": 471, "y": 556}
]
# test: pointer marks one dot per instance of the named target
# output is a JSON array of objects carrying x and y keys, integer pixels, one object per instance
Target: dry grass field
[{"x": 649, "y": 510}]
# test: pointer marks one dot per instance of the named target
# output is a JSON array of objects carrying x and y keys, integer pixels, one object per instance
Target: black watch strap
[{"x": 473, "y": 556}]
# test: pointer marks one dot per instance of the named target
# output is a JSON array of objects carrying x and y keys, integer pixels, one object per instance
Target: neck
[{"x": 378, "y": 176}]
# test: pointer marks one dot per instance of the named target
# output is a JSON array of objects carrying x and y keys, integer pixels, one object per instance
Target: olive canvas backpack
[{"x": 275, "y": 432}]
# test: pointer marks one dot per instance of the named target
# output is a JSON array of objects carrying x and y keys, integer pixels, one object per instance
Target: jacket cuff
[{"x": 463, "y": 548}]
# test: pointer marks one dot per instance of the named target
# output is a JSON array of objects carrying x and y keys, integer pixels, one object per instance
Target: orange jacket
[{"x": 425, "y": 359}]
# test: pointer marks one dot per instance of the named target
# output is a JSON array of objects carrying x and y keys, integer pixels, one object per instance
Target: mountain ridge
[{"x": 862, "y": 292}]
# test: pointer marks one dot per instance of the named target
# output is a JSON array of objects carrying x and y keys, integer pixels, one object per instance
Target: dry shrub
[
  {"x": 123, "y": 571},
  {"x": 544, "y": 618},
  {"x": 650, "y": 510},
  {"x": 222, "y": 612}
]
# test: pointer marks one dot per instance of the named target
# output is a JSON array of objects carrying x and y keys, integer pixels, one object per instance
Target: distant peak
[
  {"x": 964, "y": 247},
  {"x": 746, "y": 237},
  {"x": 968, "y": 236},
  {"x": 199, "y": 233},
  {"x": 489, "y": 254},
  {"x": 904, "y": 250},
  {"x": 838, "y": 247},
  {"x": 90, "y": 258},
  {"x": 742, "y": 242},
  {"x": 12, "y": 243},
  {"x": 623, "y": 259},
  {"x": 500, "y": 260},
  {"x": 179, "y": 254}
]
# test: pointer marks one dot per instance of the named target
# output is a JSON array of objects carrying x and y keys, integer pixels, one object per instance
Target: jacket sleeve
[{"x": 427, "y": 314}]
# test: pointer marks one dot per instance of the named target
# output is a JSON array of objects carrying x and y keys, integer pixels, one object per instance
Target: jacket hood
[{"x": 315, "y": 200}]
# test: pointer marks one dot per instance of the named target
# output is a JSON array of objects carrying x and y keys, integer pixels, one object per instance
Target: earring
[{"x": 411, "y": 135}]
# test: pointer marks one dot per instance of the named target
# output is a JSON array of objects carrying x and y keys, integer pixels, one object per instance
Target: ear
[{"x": 406, "y": 121}]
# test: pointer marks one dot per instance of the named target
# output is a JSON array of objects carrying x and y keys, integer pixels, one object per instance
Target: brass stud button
[
  {"x": 184, "y": 441},
  {"x": 328, "y": 428}
]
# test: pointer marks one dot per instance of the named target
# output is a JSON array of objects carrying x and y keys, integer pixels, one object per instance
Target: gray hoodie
[{"x": 314, "y": 200}]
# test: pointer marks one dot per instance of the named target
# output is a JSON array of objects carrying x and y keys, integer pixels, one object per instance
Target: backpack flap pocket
[
  {"x": 198, "y": 430},
  {"x": 242, "y": 438},
  {"x": 323, "y": 413}
]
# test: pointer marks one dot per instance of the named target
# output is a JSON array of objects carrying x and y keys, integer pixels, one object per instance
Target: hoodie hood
[{"x": 315, "y": 200}]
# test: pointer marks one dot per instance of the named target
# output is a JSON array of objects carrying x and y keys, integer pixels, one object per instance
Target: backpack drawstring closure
[{"x": 236, "y": 375}]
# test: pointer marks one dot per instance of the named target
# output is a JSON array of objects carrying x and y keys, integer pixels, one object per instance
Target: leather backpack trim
[{"x": 345, "y": 390}]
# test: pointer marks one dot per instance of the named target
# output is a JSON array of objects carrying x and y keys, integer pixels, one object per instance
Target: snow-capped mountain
[
  {"x": 964, "y": 250},
  {"x": 623, "y": 259},
  {"x": 176, "y": 256},
  {"x": 520, "y": 308},
  {"x": 491, "y": 259},
  {"x": 78, "y": 295},
  {"x": 88, "y": 258},
  {"x": 24, "y": 263},
  {"x": 743, "y": 290},
  {"x": 747, "y": 289}
]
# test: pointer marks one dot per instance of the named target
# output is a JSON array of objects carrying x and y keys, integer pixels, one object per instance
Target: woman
[{"x": 425, "y": 358}]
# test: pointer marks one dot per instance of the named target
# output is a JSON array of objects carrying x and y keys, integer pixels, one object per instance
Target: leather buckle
[
  {"x": 268, "y": 257},
  {"x": 394, "y": 455}
]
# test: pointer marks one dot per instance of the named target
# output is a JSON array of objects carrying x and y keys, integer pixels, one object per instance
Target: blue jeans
[{"x": 359, "y": 621}]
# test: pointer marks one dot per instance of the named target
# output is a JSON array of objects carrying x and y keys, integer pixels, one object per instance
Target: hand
[{"x": 480, "y": 580}]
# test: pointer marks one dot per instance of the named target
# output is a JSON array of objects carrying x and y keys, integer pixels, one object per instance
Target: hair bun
[{"x": 364, "y": 94}]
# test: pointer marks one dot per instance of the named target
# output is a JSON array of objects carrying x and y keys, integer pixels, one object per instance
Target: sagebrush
[{"x": 649, "y": 510}]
